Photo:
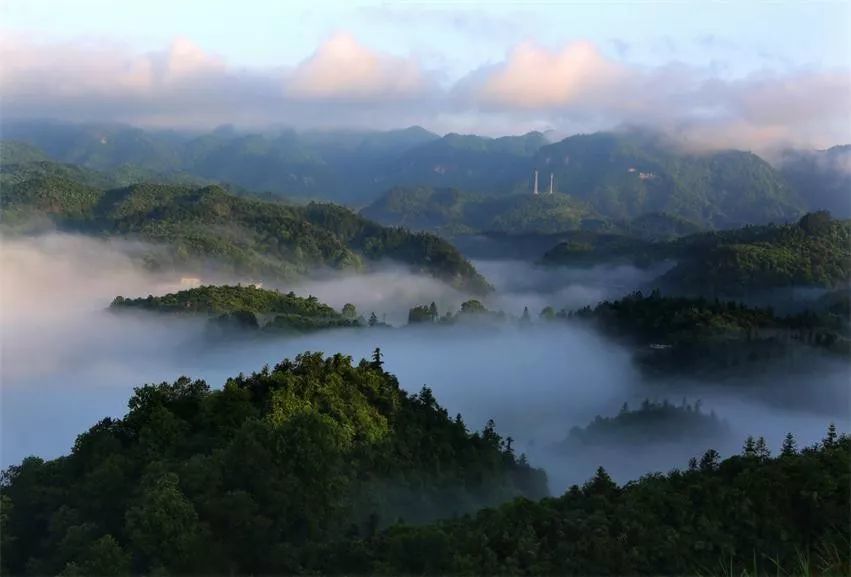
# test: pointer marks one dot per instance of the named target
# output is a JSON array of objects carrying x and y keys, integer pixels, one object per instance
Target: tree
[
  {"x": 419, "y": 315},
  {"x": 377, "y": 359},
  {"x": 163, "y": 525},
  {"x": 710, "y": 460},
  {"x": 525, "y": 317},
  {"x": 349, "y": 311},
  {"x": 432, "y": 309},
  {"x": 473, "y": 306},
  {"x": 789, "y": 446},
  {"x": 829, "y": 441},
  {"x": 761, "y": 450},
  {"x": 373, "y": 320},
  {"x": 548, "y": 313},
  {"x": 749, "y": 449}
]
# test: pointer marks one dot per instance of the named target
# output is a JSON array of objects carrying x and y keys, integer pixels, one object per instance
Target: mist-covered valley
[{"x": 67, "y": 361}]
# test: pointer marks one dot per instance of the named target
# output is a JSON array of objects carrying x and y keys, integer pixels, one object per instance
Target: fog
[{"x": 67, "y": 362}]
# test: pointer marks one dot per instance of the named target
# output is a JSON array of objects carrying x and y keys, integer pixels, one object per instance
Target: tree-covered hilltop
[
  {"x": 199, "y": 226},
  {"x": 246, "y": 307},
  {"x": 697, "y": 335},
  {"x": 749, "y": 514},
  {"x": 253, "y": 478},
  {"x": 450, "y": 211},
  {"x": 624, "y": 175},
  {"x": 218, "y": 299},
  {"x": 814, "y": 252},
  {"x": 652, "y": 422}
]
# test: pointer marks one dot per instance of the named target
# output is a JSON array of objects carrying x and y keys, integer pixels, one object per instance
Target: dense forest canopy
[
  {"x": 652, "y": 422},
  {"x": 245, "y": 235},
  {"x": 253, "y": 477},
  {"x": 813, "y": 252},
  {"x": 322, "y": 465}
]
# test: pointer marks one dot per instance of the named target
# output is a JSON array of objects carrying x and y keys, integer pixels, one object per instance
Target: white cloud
[
  {"x": 575, "y": 87},
  {"x": 534, "y": 77},
  {"x": 343, "y": 68}
]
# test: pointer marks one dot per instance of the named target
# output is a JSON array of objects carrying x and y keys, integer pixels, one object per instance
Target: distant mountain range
[{"x": 613, "y": 176}]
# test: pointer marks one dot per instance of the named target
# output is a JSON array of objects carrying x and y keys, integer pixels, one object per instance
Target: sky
[{"x": 743, "y": 73}]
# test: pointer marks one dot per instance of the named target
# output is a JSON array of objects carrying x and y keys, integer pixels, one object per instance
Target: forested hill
[
  {"x": 814, "y": 252},
  {"x": 227, "y": 299},
  {"x": 627, "y": 174},
  {"x": 740, "y": 263},
  {"x": 197, "y": 226},
  {"x": 749, "y": 514},
  {"x": 300, "y": 468},
  {"x": 450, "y": 211},
  {"x": 246, "y": 307},
  {"x": 253, "y": 478}
]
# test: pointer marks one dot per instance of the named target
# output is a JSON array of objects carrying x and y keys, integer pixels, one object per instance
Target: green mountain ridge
[
  {"x": 619, "y": 175},
  {"x": 246, "y": 235}
]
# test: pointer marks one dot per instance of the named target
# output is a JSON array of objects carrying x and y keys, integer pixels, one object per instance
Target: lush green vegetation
[
  {"x": 746, "y": 515},
  {"x": 323, "y": 466},
  {"x": 814, "y": 252},
  {"x": 695, "y": 335},
  {"x": 652, "y": 422},
  {"x": 245, "y": 307},
  {"x": 450, "y": 211},
  {"x": 249, "y": 236},
  {"x": 745, "y": 262},
  {"x": 225, "y": 299},
  {"x": 625, "y": 175},
  {"x": 254, "y": 478}
]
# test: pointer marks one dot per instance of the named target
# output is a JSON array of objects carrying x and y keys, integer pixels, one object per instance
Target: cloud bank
[{"x": 575, "y": 87}]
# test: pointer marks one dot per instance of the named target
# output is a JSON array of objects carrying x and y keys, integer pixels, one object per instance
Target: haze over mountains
[{"x": 620, "y": 175}]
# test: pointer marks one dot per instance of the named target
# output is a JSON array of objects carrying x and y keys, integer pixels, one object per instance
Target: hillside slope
[{"x": 196, "y": 227}]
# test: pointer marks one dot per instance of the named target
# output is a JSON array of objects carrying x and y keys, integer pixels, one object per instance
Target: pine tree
[
  {"x": 789, "y": 447},
  {"x": 761, "y": 449},
  {"x": 525, "y": 318},
  {"x": 373, "y": 320},
  {"x": 710, "y": 460},
  {"x": 432, "y": 309},
  {"x": 830, "y": 440},
  {"x": 377, "y": 359},
  {"x": 749, "y": 449}
]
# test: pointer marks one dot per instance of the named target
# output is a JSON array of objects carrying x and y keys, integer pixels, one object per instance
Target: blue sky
[
  {"x": 756, "y": 71},
  {"x": 738, "y": 37}
]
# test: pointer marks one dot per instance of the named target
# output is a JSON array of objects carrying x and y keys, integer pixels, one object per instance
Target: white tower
[
  {"x": 551, "y": 183},
  {"x": 535, "y": 190}
]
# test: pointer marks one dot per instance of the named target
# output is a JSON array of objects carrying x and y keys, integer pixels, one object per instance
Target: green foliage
[
  {"x": 628, "y": 174},
  {"x": 246, "y": 308},
  {"x": 248, "y": 236},
  {"x": 450, "y": 211},
  {"x": 253, "y": 478},
  {"x": 750, "y": 515},
  {"x": 214, "y": 299},
  {"x": 815, "y": 252},
  {"x": 696, "y": 334},
  {"x": 652, "y": 422}
]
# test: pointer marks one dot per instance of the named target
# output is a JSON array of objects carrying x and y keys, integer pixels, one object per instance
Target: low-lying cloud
[
  {"x": 575, "y": 87},
  {"x": 68, "y": 363}
]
